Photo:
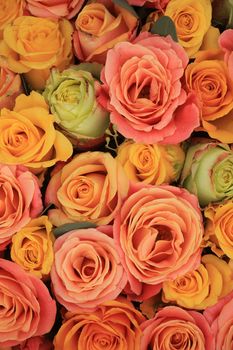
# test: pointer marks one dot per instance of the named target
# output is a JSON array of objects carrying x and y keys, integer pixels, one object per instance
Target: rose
[
  {"x": 20, "y": 199},
  {"x": 208, "y": 172},
  {"x": 209, "y": 78},
  {"x": 225, "y": 42},
  {"x": 114, "y": 325},
  {"x": 144, "y": 92},
  {"x": 87, "y": 270},
  {"x": 32, "y": 247},
  {"x": 34, "y": 45},
  {"x": 55, "y": 9},
  {"x": 10, "y": 88},
  {"x": 218, "y": 229},
  {"x": 202, "y": 287},
  {"x": 192, "y": 20},
  {"x": 99, "y": 26},
  {"x": 151, "y": 164},
  {"x": 27, "y": 308},
  {"x": 91, "y": 187},
  {"x": 35, "y": 343},
  {"x": 10, "y": 10},
  {"x": 28, "y": 136},
  {"x": 175, "y": 328},
  {"x": 72, "y": 97},
  {"x": 152, "y": 236},
  {"x": 220, "y": 317},
  {"x": 159, "y": 4}
]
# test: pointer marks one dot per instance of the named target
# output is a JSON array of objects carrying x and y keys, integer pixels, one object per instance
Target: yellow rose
[
  {"x": 32, "y": 247},
  {"x": 28, "y": 135},
  {"x": 34, "y": 43},
  {"x": 219, "y": 228},
  {"x": 9, "y": 11},
  {"x": 202, "y": 287},
  {"x": 151, "y": 164},
  {"x": 192, "y": 19}
]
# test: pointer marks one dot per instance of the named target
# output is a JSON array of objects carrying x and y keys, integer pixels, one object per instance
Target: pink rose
[
  {"x": 226, "y": 44},
  {"x": 87, "y": 270},
  {"x": 27, "y": 308},
  {"x": 20, "y": 200},
  {"x": 158, "y": 234},
  {"x": 143, "y": 90},
  {"x": 10, "y": 88},
  {"x": 55, "y": 8},
  {"x": 35, "y": 343},
  {"x": 220, "y": 317},
  {"x": 175, "y": 328},
  {"x": 158, "y": 4}
]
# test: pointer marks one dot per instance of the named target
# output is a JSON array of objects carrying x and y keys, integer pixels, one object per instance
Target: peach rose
[
  {"x": 27, "y": 308},
  {"x": 20, "y": 200},
  {"x": 32, "y": 247},
  {"x": 143, "y": 91},
  {"x": 192, "y": 20},
  {"x": 28, "y": 135},
  {"x": 202, "y": 287},
  {"x": 175, "y": 328},
  {"x": 151, "y": 164},
  {"x": 209, "y": 78},
  {"x": 152, "y": 236},
  {"x": 10, "y": 10},
  {"x": 99, "y": 26},
  {"x": 89, "y": 188},
  {"x": 218, "y": 229},
  {"x": 158, "y": 4},
  {"x": 87, "y": 270},
  {"x": 10, "y": 88},
  {"x": 54, "y": 9},
  {"x": 114, "y": 325},
  {"x": 220, "y": 317},
  {"x": 35, "y": 343},
  {"x": 226, "y": 44}
]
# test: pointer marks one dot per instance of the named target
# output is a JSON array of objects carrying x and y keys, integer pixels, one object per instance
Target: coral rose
[
  {"x": 143, "y": 91},
  {"x": 152, "y": 236},
  {"x": 32, "y": 247},
  {"x": 225, "y": 42},
  {"x": 34, "y": 343},
  {"x": 87, "y": 270},
  {"x": 158, "y": 4},
  {"x": 175, "y": 328},
  {"x": 20, "y": 200},
  {"x": 10, "y": 10},
  {"x": 220, "y": 317},
  {"x": 89, "y": 188},
  {"x": 28, "y": 135},
  {"x": 10, "y": 88},
  {"x": 114, "y": 325},
  {"x": 99, "y": 26},
  {"x": 209, "y": 78},
  {"x": 218, "y": 229},
  {"x": 200, "y": 288},
  {"x": 151, "y": 164},
  {"x": 192, "y": 20},
  {"x": 27, "y": 308},
  {"x": 54, "y": 9}
]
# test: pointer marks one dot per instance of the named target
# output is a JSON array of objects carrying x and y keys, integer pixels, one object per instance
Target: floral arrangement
[{"x": 116, "y": 174}]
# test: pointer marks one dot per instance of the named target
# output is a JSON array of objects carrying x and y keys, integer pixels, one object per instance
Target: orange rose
[
  {"x": 99, "y": 26},
  {"x": 37, "y": 44},
  {"x": 28, "y": 135},
  {"x": 89, "y": 188},
  {"x": 10, "y": 10},
  {"x": 10, "y": 88},
  {"x": 209, "y": 78},
  {"x": 114, "y": 325}
]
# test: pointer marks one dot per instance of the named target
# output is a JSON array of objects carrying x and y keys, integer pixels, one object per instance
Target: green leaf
[
  {"x": 126, "y": 6},
  {"x": 93, "y": 68},
  {"x": 164, "y": 26},
  {"x": 59, "y": 231}
]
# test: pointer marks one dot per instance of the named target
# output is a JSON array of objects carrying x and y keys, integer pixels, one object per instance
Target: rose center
[{"x": 164, "y": 233}]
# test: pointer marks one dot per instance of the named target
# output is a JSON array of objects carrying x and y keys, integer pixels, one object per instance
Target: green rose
[
  {"x": 72, "y": 97},
  {"x": 208, "y": 172}
]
